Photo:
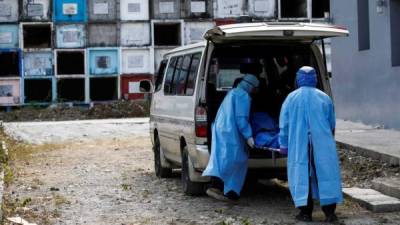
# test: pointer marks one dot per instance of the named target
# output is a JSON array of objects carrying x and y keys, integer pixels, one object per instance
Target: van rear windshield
[{"x": 276, "y": 64}]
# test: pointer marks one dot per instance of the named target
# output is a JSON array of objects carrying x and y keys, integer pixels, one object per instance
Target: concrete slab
[
  {"x": 388, "y": 186},
  {"x": 381, "y": 144},
  {"x": 373, "y": 200}
]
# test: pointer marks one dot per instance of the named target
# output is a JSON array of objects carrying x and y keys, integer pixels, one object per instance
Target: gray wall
[{"x": 365, "y": 85}]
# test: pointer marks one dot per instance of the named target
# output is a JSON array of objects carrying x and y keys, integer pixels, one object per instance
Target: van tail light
[{"x": 201, "y": 122}]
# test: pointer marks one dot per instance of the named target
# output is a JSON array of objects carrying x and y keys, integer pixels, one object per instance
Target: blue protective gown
[
  {"x": 307, "y": 116},
  {"x": 231, "y": 129}
]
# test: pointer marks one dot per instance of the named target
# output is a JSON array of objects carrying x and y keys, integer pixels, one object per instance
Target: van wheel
[
  {"x": 189, "y": 187},
  {"x": 161, "y": 172}
]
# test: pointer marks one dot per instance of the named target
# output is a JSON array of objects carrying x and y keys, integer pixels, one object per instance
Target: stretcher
[{"x": 272, "y": 150}]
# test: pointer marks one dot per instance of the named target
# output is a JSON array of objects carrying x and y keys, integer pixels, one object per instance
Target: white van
[{"x": 193, "y": 81}]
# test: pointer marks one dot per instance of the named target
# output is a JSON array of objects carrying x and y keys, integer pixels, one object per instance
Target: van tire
[
  {"x": 161, "y": 172},
  {"x": 189, "y": 187}
]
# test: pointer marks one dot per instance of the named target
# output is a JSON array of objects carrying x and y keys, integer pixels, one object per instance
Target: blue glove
[{"x": 283, "y": 151}]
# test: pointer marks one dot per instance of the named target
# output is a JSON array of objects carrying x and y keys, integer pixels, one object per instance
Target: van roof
[
  {"x": 187, "y": 47},
  {"x": 276, "y": 30}
]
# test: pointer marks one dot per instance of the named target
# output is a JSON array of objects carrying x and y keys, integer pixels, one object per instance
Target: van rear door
[{"x": 306, "y": 32}]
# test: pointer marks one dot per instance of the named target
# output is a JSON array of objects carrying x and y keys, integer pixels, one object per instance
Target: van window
[
  {"x": 191, "y": 80},
  {"x": 176, "y": 75},
  {"x": 169, "y": 75},
  {"x": 181, "y": 81},
  {"x": 160, "y": 75},
  {"x": 279, "y": 64}
]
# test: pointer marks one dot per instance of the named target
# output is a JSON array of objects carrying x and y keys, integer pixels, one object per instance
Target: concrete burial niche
[
  {"x": 36, "y": 10},
  {"x": 134, "y": 10},
  {"x": 136, "y": 87},
  {"x": 38, "y": 90},
  {"x": 135, "y": 61},
  {"x": 70, "y": 63},
  {"x": 71, "y": 89},
  {"x": 69, "y": 11},
  {"x": 103, "y": 61},
  {"x": 166, "y": 9},
  {"x": 103, "y": 10},
  {"x": 320, "y": 8},
  {"x": 172, "y": 28},
  {"x": 262, "y": 8},
  {"x": 71, "y": 36},
  {"x": 135, "y": 34},
  {"x": 197, "y": 9},
  {"x": 36, "y": 35},
  {"x": 293, "y": 8},
  {"x": 9, "y": 10},
  {"x": 10, "y": 63},
  {"x": 103, "y": 35},
  {"x": 194, "y": 31},
  {"x": 230, "y": 8},
  {"x": 9, "y": 36},
  {"x": 10, "y": 92},
  {"x": 103, "y": 88},
  {"x": 38, "y": 64}
]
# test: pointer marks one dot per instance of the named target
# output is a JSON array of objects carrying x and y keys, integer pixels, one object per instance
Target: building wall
[
  {"x": 135, "y": 34},
  {"x": 365, "y": 84}
]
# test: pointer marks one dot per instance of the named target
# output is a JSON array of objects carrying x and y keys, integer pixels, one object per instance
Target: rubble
[{"x": 117, "y": 109}]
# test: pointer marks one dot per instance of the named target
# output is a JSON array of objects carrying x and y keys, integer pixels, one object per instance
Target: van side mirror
[{"x": 329, "y": 74}]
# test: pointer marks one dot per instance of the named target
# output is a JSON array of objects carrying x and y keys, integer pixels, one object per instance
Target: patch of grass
[
  {"x": 8, "y": 174},
  {"x": 246, "y": 221},
  {"x": 25, "y": 202},
  {"x": 60, "y": 200},
  {"x": 125, "y": 187}
]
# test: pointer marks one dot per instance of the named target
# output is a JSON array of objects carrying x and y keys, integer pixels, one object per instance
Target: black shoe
[
  {"x": 331, "y": 218},
  {"x": 304, "y": 217},
  {"x": 231, "y": 195}
]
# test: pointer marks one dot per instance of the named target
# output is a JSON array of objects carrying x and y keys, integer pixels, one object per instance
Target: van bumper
[{"x": 199, "y": 155}]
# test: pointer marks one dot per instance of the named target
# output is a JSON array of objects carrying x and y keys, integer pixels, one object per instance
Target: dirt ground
[{"x": 110, "y": 180}]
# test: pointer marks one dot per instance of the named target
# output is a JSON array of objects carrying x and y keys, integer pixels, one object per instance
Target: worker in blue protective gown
[
  {"x": 230, "y": 132},
  {"x": 307, "y": 125}
]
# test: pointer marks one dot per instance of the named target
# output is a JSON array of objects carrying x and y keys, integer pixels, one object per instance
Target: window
[
  {"x": 191, "y": 80},
  {"x": 169, "y": 76},
  {"x": 176, "y": 75},
  {"x": 363, "y": 25},
  {"x": 395, "y": 31},
  {"x": 160, "y": 75},
  {"x": 181, "y": 81}
]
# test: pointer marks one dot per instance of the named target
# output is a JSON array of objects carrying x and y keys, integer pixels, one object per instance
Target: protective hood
[
  {"x": 248, "y": 83},
  {"x": 306, "y": 77}
]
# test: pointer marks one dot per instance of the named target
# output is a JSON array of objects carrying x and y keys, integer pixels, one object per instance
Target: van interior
[{"x": 276, "y": 66}]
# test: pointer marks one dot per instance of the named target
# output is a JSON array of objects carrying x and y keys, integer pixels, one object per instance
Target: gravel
[{"x": 109, "y": 179}]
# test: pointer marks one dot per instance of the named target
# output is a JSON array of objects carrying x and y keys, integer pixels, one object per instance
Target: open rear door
[{"x": 274, "y": 31}]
